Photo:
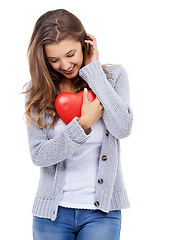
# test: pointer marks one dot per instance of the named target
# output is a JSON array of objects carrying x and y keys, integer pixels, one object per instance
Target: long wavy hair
[{"x": 52, "y": 27}]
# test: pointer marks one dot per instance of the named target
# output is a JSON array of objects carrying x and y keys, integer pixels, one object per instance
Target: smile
[{"x": 70, "y": 70}]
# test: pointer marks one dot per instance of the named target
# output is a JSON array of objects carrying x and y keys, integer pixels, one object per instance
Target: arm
[
  {"x": 117, "y": 114},
  {"x": 46, "y": 152}
]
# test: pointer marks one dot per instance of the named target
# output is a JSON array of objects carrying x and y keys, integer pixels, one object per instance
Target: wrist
[{"x": 83, "y": 124}]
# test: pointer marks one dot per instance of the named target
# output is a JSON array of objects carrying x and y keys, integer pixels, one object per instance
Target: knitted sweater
[{"x": 50, "y": 152}]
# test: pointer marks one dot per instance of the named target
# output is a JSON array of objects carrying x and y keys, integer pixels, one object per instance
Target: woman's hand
[
  {"x": 91, "y": 51},
  {"x": 90, "y": 112}
]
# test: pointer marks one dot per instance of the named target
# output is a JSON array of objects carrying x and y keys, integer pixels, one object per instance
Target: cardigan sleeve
[
  {"x": 46, "y": 152},
  {"x": 117, "y": 113}
]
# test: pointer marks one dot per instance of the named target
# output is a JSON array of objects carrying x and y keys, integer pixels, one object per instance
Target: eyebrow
[{"x": 65, "y": 54}]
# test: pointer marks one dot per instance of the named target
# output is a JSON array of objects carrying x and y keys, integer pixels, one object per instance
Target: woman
[{"x": 81, "y": 190}]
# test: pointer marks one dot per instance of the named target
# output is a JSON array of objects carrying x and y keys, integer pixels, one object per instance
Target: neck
[{"x": 67, "y": 86}]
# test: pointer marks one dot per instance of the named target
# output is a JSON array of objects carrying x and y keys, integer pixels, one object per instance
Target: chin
[{"x": 71, "y": 76}]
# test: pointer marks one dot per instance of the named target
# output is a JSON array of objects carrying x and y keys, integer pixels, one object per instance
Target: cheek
[
  {"x": 55, "y": 66},
  {"x": 80, "y": 58}
]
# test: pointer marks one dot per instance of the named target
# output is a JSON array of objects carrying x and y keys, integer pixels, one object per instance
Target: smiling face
[{"x": 66, "y": 57}]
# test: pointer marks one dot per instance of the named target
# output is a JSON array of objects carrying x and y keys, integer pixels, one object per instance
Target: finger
[
  {"x": 91, "y": 36},
  {"x": 85, "y": 94},
  {"x": 90, "y": 42},
  {"x": 97, "y": 100},
  {"x": 99, "y": 104}
]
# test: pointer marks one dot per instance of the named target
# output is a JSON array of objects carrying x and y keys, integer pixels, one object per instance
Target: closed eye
[
  {"x": 54, "y": 61},
  {"x": 71, "y": 55}
]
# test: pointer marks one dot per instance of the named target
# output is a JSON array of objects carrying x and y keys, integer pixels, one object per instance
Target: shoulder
[{"x": 27, "y": 88}]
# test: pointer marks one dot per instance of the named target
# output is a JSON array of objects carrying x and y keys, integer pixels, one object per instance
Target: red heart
[{"x": 68, "y": 105}]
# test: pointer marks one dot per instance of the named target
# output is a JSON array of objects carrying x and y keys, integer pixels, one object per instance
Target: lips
[{"x": 70, "y": 70}]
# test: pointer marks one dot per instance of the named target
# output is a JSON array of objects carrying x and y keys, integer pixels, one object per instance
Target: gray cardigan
[{"x": 50, "y": 152}]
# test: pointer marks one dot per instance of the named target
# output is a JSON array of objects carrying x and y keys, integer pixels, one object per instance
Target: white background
[{"x": 143, "y": 37}]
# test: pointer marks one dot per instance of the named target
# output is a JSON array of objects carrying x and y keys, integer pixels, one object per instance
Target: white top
[{"x": 82, "y": 166}]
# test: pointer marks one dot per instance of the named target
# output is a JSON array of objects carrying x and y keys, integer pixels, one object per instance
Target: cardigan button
[
  {"x": 100, "y": 181},
  {"x": 96, "y": 203},
  {"x": 104, "y": 157},
  {"x": 107, "y": 133}
]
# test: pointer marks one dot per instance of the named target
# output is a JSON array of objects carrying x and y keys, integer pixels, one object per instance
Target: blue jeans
[{"x": 78, "y": 224}]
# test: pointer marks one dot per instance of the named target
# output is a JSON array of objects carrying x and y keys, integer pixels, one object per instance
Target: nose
[{"x": 64, "y": 65}]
